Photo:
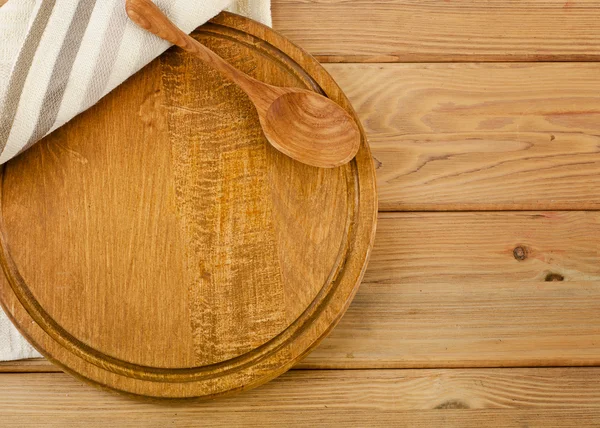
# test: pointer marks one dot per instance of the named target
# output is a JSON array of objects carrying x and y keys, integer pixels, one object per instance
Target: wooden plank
[
  {"x": 487, "y": 289},
  {"x": 497, "y": 418},
  {"x": 442, "y": 30},
  {"x": 473, "y": 248},
  {"x": 474, "y": 289},
  {"x": 325, "y": 398},
  {"x": 480, "y": 136},
  {"x": 35, "y": 365}
]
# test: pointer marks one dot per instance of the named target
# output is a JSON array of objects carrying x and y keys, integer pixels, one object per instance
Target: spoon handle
[{"x": 148, "y": 16}]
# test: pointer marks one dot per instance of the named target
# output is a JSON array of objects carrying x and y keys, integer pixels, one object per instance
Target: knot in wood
[
  {"x": 554, "y": 277},
  {"x": 520, "y": 253}
]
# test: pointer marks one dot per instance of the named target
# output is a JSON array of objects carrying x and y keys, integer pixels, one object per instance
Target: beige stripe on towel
[
  {"x": 61, "y": 71},
  {"x": 19, "y": 75}
]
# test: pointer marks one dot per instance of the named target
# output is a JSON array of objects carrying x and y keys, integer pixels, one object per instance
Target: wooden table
[{"x": 481, "y": 305}]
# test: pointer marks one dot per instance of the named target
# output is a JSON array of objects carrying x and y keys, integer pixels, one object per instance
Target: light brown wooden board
[
  {"x": 328, "y": 418},
  {"x": 442, "y": 30},
  {"x": 472, "y": 398},
  {"x": 34, "y": 365},
  {"x": 157, "y": 245},
  {"x": 480, "y": 136},
  {"x": 445, "y": 290}
]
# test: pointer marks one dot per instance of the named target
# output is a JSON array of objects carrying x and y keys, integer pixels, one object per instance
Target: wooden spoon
[{"x": 304, "y": 125}]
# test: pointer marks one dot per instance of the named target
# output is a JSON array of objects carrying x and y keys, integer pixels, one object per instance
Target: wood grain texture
[
  {"x": 442, "y": 30},
  {"x": 500, "y": 418},
  {"x": 142, "y": 243},
  {"x": 474, "y": 289},
  {"x": 472, "y": 398},
  {"x": 306, "y": 126},
  {"x": 34, "y": 365},
  {"x": 443, "y": 289},
  {"x": 480, "y": 136}
]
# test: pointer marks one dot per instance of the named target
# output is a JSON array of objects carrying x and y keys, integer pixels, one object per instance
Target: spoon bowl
[{"x": 307, "y": 125}]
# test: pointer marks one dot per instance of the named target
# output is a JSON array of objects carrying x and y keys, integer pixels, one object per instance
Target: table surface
[{"x": 481, "y": 304}]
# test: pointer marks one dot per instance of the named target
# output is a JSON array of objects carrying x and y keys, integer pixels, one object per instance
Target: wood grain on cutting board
[{"x": 159, "y": 246}]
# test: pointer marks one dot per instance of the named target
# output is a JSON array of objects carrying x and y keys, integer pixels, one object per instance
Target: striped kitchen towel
[{"x": 59, "y": 57}]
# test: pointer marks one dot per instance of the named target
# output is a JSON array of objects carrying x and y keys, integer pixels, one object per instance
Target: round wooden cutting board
[{"x": 158, "y": 246}]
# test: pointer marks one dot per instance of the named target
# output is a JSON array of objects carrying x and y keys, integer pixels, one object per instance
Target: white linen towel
[{"x": 59, "y": 57}]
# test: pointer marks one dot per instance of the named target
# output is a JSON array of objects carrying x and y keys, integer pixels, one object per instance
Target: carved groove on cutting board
[{"x": 267, "y": 50}]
